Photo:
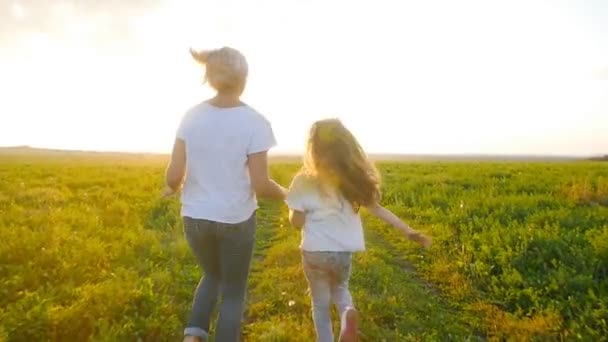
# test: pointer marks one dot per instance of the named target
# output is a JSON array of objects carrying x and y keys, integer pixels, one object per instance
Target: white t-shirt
[
  {"x": 331, "y": 223},
  {"x": 218, "y": 141}
]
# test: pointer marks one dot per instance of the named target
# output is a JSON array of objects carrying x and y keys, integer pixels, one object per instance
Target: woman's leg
[
  {"x": 317, "y": 272},
  {"x": 200, "y": 235},
  {"x": 236, "y": 249}
]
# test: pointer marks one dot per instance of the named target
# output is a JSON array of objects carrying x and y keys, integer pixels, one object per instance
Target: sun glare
[
  {"x": 17, "y": 11},
  {"x": 412, "y": 79}
]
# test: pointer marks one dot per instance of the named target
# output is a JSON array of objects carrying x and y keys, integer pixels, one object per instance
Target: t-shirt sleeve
[
  {"x": 262, "y": 138},
  {"x": 182, "y": 129},
  {"x": 299, "y": 194}
]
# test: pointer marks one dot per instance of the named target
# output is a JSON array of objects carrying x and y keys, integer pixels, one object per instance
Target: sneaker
[
  {"x": 349, "y": 325},
  {"x": 191, "y": 338}
]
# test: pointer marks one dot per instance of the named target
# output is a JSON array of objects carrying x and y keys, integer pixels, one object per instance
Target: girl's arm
[
  {"x": 390, "y": 218},
  {"x": 296, "y": 200}
]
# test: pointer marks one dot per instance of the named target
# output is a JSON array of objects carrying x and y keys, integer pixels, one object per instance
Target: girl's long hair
[{"x": 335, "y": 158}]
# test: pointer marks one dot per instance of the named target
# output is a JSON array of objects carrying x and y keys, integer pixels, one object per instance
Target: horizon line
[{"x": 299, "y": 154}]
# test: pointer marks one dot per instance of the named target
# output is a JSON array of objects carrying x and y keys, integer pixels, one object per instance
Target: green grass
[{"x": 90, "y": 252}]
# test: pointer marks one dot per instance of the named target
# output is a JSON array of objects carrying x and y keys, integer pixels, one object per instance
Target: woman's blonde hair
[
  {"x": 335, "y": 157},
  {"x": 226, "y": 68}
]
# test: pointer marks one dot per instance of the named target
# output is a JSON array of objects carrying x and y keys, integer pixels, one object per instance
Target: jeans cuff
[{"x": 195, "y": 331}]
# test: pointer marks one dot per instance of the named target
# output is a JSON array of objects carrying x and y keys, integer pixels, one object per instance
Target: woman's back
[{"x": 218, "y": 142}]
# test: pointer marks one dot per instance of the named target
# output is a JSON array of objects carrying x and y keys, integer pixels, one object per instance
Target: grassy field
[{"x": 89, "y": 251}]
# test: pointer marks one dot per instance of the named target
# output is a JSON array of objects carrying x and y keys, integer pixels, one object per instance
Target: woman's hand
[{"x": 168, "y": 192}]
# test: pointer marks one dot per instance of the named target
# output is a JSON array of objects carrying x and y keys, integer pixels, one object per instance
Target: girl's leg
[
  {"x": 236, "y": 250},
  {"x": 340, "y": 293},
  {"x": 316, "y": 270},
  {"x": 342, "y": 298},
  {"x": 200, "y": 235}
]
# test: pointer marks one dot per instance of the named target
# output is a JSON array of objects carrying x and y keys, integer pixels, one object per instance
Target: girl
[
  {"x": 336, "y": 181},
  {"x": 225, "y": 143}
]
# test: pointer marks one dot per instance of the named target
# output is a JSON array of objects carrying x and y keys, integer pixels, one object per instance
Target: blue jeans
[
  {"x": 327, "y": 274},
  {"x": 224, "y": 252}
]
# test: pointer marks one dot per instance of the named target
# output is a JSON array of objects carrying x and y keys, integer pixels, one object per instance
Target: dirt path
[{"x": 396, "y": 305}]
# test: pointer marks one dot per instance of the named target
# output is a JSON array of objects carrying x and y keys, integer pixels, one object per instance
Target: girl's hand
[{"x": 422, "y": 239}]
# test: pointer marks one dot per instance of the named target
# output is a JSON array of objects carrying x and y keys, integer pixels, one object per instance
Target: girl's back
[{"x": 331, "y": 223}]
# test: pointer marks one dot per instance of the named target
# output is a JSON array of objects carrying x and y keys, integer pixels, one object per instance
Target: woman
[{"x": 221, "y": 151}]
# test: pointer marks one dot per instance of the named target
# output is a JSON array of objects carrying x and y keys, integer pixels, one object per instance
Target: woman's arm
[
  {"x": 260, "y": 180},
  {"x": 176, "y": 170},
  {"x": 390, "y": 218}
]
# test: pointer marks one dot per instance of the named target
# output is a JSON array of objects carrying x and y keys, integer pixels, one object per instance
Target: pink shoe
[{"x": 349, "y": 325}]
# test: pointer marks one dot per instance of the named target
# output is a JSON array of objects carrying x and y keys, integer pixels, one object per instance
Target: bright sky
[{"x": 512, "y": 77}]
